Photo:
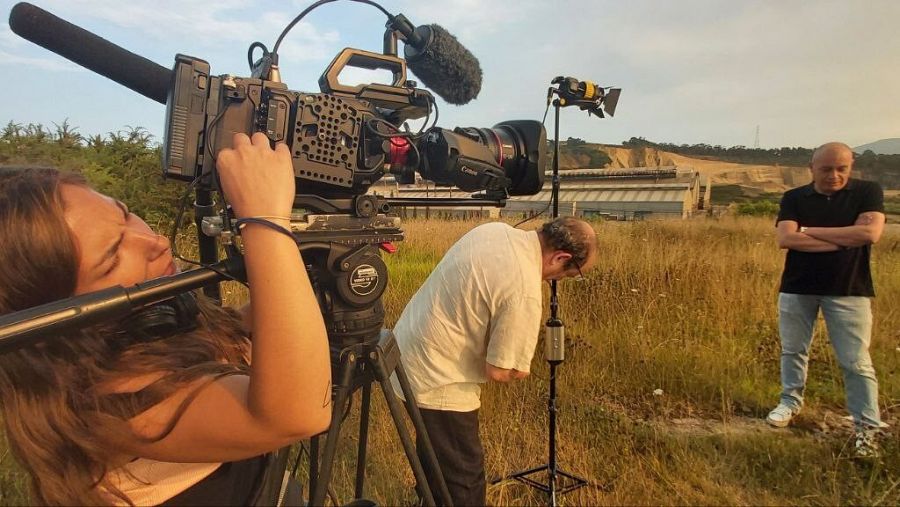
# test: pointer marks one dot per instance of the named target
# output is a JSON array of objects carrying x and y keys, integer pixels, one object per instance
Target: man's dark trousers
[{"x": 454, "y": 437}]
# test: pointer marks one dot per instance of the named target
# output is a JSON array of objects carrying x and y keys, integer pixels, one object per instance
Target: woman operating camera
[{"x": 107, "y": 415}]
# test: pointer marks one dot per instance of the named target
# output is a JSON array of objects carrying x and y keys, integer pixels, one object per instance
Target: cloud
[
  {"x": 8, "y": 39},
  {"x": 304, "y": 42},
  {"x": 160, "y": 17},
  {"x": 691, "y": 71},
  {"x": 708, "y": 71},
  {"x": 52, "y": 64},
  {"x": 471, "y": 20},
  {"x": 207, "y": 24}
]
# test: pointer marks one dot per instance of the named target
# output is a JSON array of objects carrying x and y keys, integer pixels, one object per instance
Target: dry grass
[
  {"x": 686, "y": 307},
  {"x": 689, "y": 308}
]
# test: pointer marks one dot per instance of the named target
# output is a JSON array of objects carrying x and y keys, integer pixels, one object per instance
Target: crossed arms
[{"x": 865, "y": 231}]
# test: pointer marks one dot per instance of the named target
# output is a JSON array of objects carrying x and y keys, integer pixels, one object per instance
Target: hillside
[{"x": 882, "y": 147}]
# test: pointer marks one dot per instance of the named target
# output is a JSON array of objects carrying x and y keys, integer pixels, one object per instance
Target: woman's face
[{"x": 116, "y": 247}]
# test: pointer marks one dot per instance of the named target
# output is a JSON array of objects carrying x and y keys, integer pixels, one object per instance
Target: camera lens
[{"x": 519, "y": 147}]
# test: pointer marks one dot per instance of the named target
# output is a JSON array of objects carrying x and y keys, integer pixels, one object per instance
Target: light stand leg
[
  {"x": 558, "y": 482},
  {"x": 551, "y": 410}
]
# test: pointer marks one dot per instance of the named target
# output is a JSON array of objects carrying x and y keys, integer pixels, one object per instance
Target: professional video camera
[{"x": 346, "y": 137}]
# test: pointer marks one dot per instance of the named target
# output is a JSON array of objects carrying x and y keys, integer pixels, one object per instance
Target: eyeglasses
[{"x": 580, "y": 277}]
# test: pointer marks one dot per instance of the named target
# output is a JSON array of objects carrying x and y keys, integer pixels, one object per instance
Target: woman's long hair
[{"x": 60, "y": 414}]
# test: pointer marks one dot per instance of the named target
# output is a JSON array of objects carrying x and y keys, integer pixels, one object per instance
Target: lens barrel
[{"x": 519, "y": 147}]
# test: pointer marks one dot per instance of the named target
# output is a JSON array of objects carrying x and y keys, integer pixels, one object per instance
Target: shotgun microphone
[{"x": 91, "y": 51}]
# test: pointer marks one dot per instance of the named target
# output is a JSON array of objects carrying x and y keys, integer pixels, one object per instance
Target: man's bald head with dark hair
[{"x": 572, "y": 237}]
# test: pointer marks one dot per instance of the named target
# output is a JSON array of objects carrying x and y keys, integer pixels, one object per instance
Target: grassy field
[
  {"x": 727, "y": 194},
  {"x": 681, "y": 308}
]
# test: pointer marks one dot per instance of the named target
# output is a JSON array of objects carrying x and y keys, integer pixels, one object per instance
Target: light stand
[{"x": 591, "y": 98}]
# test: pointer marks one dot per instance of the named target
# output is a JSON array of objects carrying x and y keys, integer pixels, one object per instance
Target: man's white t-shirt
[{"x": 481, "y": 304}]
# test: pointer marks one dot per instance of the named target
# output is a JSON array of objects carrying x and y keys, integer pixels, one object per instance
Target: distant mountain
[{"x": 882, "y": 147}]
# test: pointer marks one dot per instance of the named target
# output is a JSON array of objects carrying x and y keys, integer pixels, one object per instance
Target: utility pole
[{"x": 756, "y": 139}]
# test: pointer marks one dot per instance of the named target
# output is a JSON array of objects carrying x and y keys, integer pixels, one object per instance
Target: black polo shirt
[{"x": 841, "y": 273}]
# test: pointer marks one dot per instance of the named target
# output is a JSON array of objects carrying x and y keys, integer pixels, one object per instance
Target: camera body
[
  {"x": 345, "y": 138},
  {"x": 335, "y": 154}
]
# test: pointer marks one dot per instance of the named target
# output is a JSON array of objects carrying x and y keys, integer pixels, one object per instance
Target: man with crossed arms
[{"x": 828, "y": 227}]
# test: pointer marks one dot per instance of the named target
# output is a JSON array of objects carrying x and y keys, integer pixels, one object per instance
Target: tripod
[
  {"x": 360, "y": 365},
  {"x": 350, "y": 277}
]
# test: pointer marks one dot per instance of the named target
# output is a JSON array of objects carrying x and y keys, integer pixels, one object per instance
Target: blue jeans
[{"x": 849, "y": 323}]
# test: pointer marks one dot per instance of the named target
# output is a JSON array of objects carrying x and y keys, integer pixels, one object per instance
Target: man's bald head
[
  {"x": 833, "y": 147},
  {"x": 830, "y": 167}
]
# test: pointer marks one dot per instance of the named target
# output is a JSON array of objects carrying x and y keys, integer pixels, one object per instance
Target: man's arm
[
  {"x": 515, "y": 327},
  {"x": 790, "y": 237},
  {"x": 865, "y": 231},
  {"x": 503, "y": 374}
]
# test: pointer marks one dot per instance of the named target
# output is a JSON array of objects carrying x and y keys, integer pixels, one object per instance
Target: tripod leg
[
  {"x": 388, "y": 361},
  {"x": 313, "y": 462},
  {"x": 408, "y": 446},
  {"x": 274, "y": 480},
  {"x": 363, "y": 438},
  {"x": 422, "y": 434},
  {"x": 342, "y": 396}
]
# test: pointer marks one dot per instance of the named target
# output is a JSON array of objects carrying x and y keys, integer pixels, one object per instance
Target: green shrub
[{"x": 758, "y": 208}]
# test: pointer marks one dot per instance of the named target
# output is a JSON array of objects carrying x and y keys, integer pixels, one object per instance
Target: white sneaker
[
  {"x": 781, "y": 415},
  {"x": 865, "y": 445}
]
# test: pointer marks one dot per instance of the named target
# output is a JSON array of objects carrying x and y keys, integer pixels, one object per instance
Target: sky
[{"x": 799, "y": 73}]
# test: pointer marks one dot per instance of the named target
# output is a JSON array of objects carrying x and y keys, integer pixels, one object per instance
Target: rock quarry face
[{"x": 766, "y": 178}]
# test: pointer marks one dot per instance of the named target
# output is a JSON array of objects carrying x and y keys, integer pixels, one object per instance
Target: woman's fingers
[
  {"x": 260, "y": 139},
  {"x": 240, "y": 139},
  {"x": 282, "y": 150},
  {"x": 257, "y": 180}
]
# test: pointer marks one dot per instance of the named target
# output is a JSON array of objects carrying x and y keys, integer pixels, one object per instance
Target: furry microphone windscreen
[{"x": 445, "y": 66}]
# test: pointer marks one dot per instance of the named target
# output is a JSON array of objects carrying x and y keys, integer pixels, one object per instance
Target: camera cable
[{"x": 308, "y": 10}]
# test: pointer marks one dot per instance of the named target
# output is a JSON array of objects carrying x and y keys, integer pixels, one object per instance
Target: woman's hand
[{"x": 257, "y": 180}]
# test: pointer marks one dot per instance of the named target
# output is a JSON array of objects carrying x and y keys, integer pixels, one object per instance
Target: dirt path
[{"x": 825, "y": 423}]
